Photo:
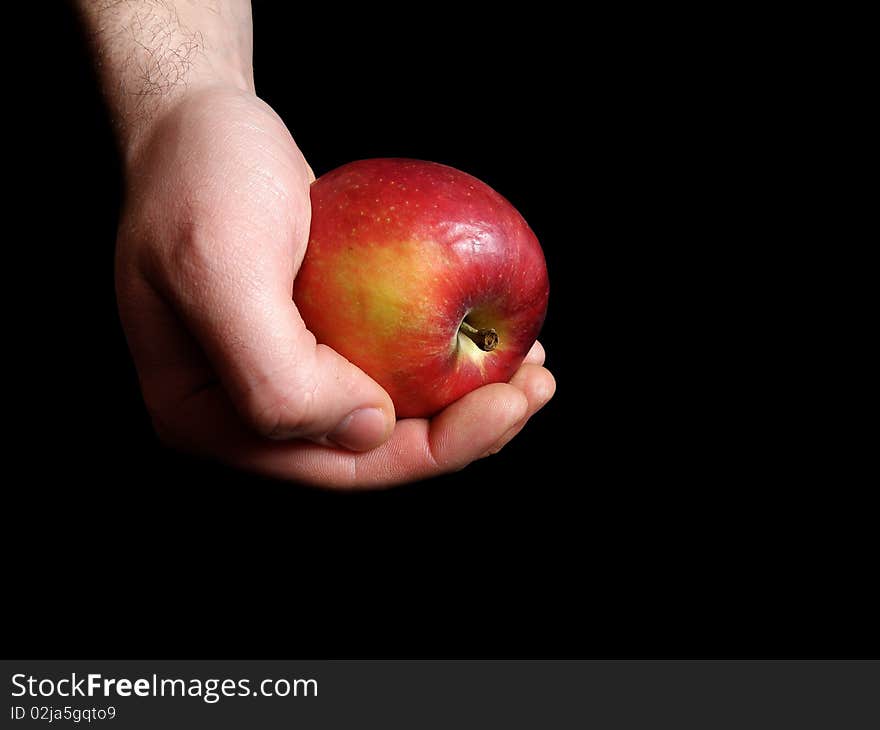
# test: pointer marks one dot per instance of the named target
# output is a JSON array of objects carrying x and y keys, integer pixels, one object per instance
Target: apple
[{"x": 423, "y": 276}]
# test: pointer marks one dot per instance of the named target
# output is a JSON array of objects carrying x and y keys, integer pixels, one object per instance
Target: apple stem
[{"x": 485, "y": 339}]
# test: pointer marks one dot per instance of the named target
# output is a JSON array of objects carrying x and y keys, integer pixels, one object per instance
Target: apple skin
[{"x": 400, "y": 252}]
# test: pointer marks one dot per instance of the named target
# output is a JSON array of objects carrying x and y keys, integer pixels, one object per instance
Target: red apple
[{"x": 423, "y": 276}]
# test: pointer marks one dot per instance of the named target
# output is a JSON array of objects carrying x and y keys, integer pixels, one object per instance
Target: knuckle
[
  {"x": 281, "y": 413},
  {"x": 266, "y": 420}
]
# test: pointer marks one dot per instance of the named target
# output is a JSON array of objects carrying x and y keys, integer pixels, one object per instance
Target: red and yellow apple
[{"x": 423, "y": 276}]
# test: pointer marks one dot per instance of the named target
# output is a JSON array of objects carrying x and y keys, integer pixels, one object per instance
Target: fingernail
[{"x": 360, "y": 430}]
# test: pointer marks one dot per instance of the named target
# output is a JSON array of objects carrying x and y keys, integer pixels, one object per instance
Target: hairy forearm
[{"x": 150, "y": 53}]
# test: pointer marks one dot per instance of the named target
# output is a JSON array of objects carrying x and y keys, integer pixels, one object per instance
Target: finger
[
  {"x": 536, "y": 355},
  {"x": 231, "y": 280},
  {"x": 280, "y": 380},
  {"x": 420, "y": 448},
  {"x": 539, "y": 386},
  {"x": 173, "y": 369},
  {"x": 221, "y": 255},
  {"x": 417, "y": 449}
]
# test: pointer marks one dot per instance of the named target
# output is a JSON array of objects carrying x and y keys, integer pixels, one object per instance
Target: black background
[{"x": 672, "y": 500}]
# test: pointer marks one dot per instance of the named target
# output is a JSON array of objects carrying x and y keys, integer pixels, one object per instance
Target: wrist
[
  {"x": 135, "y": 130},
  {"x": 153, "y": 56},
  {"x": 182, "y": 121}
]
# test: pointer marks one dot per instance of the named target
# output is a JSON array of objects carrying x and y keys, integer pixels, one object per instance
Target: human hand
[{"x": 214, "y": 228}]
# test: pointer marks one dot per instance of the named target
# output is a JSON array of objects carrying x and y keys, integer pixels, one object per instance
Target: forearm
[{"x": 151, "y": 53}]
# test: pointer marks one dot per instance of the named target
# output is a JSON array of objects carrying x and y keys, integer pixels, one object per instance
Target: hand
[{"x": 214, "y": 229}]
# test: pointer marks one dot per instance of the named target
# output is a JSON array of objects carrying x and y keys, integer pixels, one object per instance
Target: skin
[{"x": 213, "y": 230}]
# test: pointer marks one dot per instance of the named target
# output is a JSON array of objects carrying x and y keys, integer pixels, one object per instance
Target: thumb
[{"x": 282, "y": 383}]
